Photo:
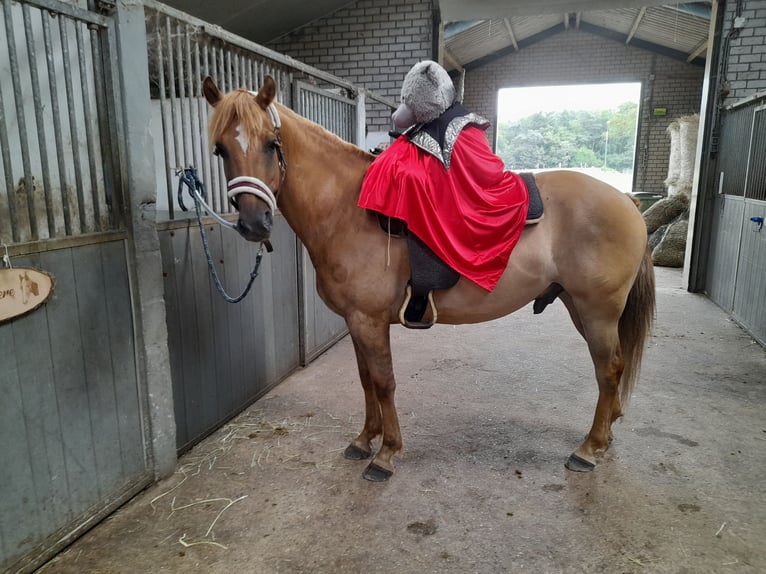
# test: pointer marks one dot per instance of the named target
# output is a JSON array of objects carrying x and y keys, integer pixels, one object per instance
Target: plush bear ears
[{"x": 427, "y": 91}]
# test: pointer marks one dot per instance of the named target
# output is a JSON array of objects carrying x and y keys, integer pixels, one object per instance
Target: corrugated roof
[{"x": 678, "y": 30}]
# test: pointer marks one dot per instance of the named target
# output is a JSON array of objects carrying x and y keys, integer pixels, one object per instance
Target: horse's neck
[{"x": 322, "y": 182}]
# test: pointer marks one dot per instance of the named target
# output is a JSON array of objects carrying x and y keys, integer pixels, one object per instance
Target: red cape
[{"x": 471, "y": 215}]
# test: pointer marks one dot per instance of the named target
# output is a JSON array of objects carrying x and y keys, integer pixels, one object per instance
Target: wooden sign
[{"x": 23, "y": 290}]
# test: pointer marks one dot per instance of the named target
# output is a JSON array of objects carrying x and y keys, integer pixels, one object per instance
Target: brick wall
[
  {"x": 372, "y": 43},
  {"x": 744, "y": 68},
  {"x": 579, "y": 57}
]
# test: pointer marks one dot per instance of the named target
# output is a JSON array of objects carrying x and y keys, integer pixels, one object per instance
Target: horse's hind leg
[
  {"x": 373, "y": 352},
  {"x": 604, "y": 345}
]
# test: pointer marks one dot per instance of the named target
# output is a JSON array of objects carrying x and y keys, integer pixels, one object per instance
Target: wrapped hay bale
[
  {"x": 655, "y": 237},
  {"x": 674, "y": 165},
  {"x": 665, "y": 211},
  {"x": 672, "y": 248}
]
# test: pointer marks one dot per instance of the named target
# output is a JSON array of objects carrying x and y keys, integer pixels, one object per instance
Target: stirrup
[{"x": 417, "y": 324}]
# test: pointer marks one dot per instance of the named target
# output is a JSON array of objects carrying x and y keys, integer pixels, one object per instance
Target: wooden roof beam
[
  {"x": 636, "y": 23},
  {"x": 578, "y": 17},
  {"x": 452, "y": 60},
  {"x": 511, "y": 34},
  {"x": 701, "y": 47},
  {"x": 566, "y": 20}
]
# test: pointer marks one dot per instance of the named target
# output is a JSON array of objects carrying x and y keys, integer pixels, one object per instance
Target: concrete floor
[{"x": 489, "y": 414}]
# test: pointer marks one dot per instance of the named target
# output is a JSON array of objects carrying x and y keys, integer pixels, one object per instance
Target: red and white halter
[{"x": 253, "y": 185}]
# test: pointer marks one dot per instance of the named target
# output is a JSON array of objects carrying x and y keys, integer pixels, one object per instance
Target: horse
[{"x": 589, "y": 250}]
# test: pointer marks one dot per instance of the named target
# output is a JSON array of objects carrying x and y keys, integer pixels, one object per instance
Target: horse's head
[{"x": 244, "y": 131}]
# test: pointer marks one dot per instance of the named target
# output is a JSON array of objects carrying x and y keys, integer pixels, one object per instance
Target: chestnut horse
[{"x": 589, "y": 250}]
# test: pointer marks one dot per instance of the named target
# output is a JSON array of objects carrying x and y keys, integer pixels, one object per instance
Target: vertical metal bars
[
  {"x": 182, "y": 52},
  {"x": 55, "y": 127},
  {"x": 755, "y": 187}
]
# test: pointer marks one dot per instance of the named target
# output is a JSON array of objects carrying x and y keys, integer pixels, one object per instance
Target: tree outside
[{"x": 601, "y": 141}]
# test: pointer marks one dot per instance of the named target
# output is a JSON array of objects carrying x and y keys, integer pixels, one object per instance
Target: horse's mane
[{"x": 239, "y": 105}]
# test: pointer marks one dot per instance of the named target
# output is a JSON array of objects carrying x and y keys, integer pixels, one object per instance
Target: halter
[{"x": 253, "y": 185}]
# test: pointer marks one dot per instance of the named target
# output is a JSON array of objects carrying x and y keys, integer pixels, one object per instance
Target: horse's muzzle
[{"x": 257, "y": 229}]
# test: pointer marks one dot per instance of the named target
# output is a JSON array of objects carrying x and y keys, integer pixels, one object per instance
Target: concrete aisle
[{"x": 489, "y": 414}]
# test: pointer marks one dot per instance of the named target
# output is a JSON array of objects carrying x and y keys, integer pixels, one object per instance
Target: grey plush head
[{"x": 427, "y": 92}]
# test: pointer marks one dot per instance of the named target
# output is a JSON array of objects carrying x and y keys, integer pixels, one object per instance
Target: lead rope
[{"x": 188, "y": 177}]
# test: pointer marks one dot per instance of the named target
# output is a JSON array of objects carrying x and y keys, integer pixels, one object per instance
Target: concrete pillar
[{"x": 144, "y": 246}]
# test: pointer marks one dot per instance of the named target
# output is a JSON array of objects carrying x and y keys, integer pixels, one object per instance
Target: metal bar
[
  {"x": 87, "y": 112},
  {"x": 40, "y": 126},
  {"x": 7, "y": 169},
  {"x": 71, "y": 11},
  {"x": 184, "y": 127},
  {"x": 235, "y": 40},
  {"x": 212, "y": 68},
  {"x": 53, "y": 84},
  {"x": 163, "y": 118},
  {"x": 172, "y": 80},
  {"x": 189, "y": 135},
  {"x": 102, "y": 115},
  {"x": 748, "y": 100},
  {"x": 20, "y": 119},
  {"x": 201, "y": 116}
]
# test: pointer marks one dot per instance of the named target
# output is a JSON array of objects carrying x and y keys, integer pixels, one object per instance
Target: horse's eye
[
  {"x": 219, "y": 151},
  {"x": 271, "y": 145}
]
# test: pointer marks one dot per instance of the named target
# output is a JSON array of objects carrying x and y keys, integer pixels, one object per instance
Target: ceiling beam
[
  {"x": 511, "y": 34},
  {"x": 460, "y": 10},
  {"x": 636, "y": 23},
  {"x": 452, "y": 60},
  {"x": 566, "y": 20},
  {"x": 578, "y": 17},
  {"x": 701, "y": 47}
]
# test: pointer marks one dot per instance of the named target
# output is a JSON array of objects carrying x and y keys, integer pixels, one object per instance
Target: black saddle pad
[{"x": 535, "y": 209}]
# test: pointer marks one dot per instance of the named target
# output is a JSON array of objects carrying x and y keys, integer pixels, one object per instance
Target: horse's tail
[{"x": 635, "y": 325}]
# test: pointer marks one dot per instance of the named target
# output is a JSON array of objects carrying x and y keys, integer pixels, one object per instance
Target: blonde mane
[{"x": 239, "y": 106}]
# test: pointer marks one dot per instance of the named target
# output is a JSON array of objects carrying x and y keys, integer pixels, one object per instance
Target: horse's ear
[
  {"x": 212, "y": 94},
  {"x": 267, "y": 93}
]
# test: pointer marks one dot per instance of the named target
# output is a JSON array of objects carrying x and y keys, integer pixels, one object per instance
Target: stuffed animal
[{"x": 427, "y": 92}]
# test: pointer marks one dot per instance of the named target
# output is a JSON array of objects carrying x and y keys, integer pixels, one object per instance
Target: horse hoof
[
  {"x": 579, "y": 464},
  {"x": 375, "y": 473},
  {"x": 354, "y": 452}
]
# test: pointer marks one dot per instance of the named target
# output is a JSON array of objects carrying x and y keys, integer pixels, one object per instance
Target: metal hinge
[{"x": 106, "y": 7}]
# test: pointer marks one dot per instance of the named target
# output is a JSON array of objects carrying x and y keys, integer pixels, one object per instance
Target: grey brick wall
[
  {"x": 744, "y": 67},
  {"x": 372, "y": 43},
  {"x": 579, "y": 57}
]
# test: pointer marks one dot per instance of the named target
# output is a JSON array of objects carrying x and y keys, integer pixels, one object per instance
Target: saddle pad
[{"x": 535, "y": 209}]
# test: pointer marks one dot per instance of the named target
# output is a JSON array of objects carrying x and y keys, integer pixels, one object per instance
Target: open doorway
[{"x": 586, "y": 127}]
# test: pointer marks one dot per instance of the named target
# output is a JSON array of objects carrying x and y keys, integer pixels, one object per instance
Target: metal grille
[
  {"x": 755, "y": 187},
  {"x": 181, "y": 55},
  {"x": 736, "y": 125},
  {"x": 333, "y": 112},
  {"x": 58, "y": 159}
]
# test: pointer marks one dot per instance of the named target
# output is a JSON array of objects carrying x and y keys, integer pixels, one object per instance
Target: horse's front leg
[
  {"x": 373, "y": 353},
  {"x": 361, "y": 447}
]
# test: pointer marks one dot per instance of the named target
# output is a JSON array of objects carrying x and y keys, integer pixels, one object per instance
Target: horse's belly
[{"x": 526, "y": 276}]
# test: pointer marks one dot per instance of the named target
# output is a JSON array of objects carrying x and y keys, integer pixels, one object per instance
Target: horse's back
[{"x": 591, "y": 241}]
